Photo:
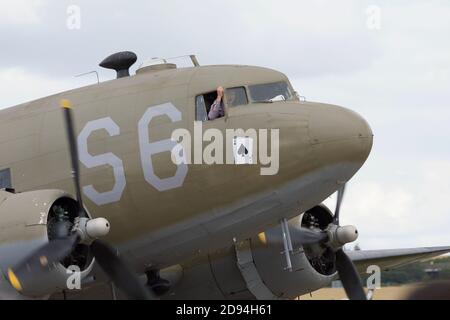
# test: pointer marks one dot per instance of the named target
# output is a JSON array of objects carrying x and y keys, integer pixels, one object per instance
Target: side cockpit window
[
  {"x": 216, "y": 101},
  {"x": 210, "y": 106},
  {"x": 201, "y": 113},
  {"x": 5, "y": 179},
  {"x": 236, "y": 97},
  {"x": 203, "y": 104}
]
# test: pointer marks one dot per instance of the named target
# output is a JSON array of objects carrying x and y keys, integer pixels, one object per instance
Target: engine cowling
[
  {"x": 28, "y": 222},
  {"x": 256, "y": 267}
]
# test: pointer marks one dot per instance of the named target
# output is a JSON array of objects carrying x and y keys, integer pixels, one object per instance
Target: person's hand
[{"x": 220, "y": 92}]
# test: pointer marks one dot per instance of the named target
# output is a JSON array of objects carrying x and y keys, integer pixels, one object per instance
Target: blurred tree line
[{"x": 416, "y": 272}]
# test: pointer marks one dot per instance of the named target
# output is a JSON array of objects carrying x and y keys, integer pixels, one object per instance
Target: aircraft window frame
[
  {"x": 208, "y": 108},
  {"x": 201, "y": 112},
  {"x": 288, "y": 86},
  {"x": 5, "y": 178},
  {"x": 244, "y": 89}
]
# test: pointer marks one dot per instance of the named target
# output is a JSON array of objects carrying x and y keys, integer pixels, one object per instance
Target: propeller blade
[
  {"x": 349, "y": 277},
  {"x": 120, "y": 274},
  {"x": 70, "y": 130},
  {"x": 106, "y": 256},
  {"x": 41, "y": 261},
  {"x": 306, "y": 236},
  {"x": 340, "y": 197}
]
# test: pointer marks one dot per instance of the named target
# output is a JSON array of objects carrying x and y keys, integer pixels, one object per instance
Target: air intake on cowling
[{"x": 121, "y": 62}]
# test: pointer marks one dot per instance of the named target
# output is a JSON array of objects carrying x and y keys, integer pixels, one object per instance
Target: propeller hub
[
  {"x": 347, "y": 234},
  {"x": 91, "y": 229},
  {"x": 340, "y": 236}
]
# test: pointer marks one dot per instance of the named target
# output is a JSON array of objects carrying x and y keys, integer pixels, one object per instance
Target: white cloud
[
  {"x": 19, "y": 12},
  {"x": 293, "y": 36},
  {"x": 18, "y": 86},
  {"x": 407, "y": 208}
]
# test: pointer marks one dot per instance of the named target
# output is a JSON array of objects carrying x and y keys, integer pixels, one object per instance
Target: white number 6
[{"x": 150, "y": 148}]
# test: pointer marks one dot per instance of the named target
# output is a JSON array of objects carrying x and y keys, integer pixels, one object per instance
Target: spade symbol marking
[{"x": 242, "y": 151}]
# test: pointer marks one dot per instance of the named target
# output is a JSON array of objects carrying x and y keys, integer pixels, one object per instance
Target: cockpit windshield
[{"x": 271, "y": 92}]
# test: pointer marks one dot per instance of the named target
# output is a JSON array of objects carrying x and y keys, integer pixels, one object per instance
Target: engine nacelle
[
  {"x": 256, "y": 267},
  {"x": 28, "y": 222}
]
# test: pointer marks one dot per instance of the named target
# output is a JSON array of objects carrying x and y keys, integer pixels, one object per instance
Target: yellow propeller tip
[
  {"x": 14, "y": 280},
  {"x": 64, "y": 103},
  {"x": 262, "y": 237}
]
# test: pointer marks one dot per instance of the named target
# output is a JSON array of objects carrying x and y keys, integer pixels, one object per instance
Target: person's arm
[
  {"x": 217, "y": 107},
  {"x": 214, "y": 112}
]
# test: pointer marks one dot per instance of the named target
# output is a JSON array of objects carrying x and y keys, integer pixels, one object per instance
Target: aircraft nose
[{"x": 339, "y": 135}]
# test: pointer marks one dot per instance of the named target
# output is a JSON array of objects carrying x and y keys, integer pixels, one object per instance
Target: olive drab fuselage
[{"x": 161, "y": 211}]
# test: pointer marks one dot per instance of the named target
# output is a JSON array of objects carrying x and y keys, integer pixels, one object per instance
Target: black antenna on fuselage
[{"x": 121, "y": 62}]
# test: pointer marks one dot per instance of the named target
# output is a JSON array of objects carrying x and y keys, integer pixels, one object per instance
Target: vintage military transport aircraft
[{"x": 132, "y": 223}]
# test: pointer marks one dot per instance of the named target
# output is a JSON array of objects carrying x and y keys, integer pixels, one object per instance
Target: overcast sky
[{"x": 387, "y": 60}]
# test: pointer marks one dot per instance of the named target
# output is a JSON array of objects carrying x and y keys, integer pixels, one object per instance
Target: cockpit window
[
  {"x": 203, "y": 105},
  {"x": 279, "y": 91},
  {"x": 201, "y": 113},
  {"x": 236, "y": 97}
]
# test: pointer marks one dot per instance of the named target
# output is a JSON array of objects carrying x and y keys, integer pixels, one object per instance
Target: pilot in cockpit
[{"x": 217, "y": 108}]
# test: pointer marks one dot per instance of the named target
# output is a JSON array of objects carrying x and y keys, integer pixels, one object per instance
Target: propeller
[
  {"x": 307, "y": 236},
  {"x": 340, "y": 197},
  {"x": 349, "y": 276},
  {"x": 346, "y": 269},
  {"x": 85, "y": 231},
  {"x": 335, "y": 237}
]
